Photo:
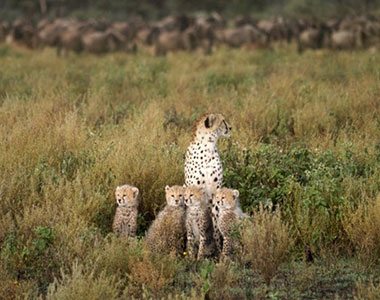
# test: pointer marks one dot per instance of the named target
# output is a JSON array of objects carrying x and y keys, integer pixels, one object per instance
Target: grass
[{"x": 305, "y": 138}]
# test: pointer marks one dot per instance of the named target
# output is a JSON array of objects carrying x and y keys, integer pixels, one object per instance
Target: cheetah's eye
[
  {"x": 180, "y": 195},
  {"x": 172, "y": 196},
  {"x": 191, "y": 195}
]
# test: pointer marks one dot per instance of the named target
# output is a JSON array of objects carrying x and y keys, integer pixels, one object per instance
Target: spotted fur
[
  {"x": 125, "y": 220},
  {"x": 203, "y": 166},
  {"x": 199, "y": 229},
  {"x": 227, "y": 214},
  {"x": 167, "y": 232}
]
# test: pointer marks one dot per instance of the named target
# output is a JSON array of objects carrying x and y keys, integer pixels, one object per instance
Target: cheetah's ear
[
  {"x": 167, "y": 188},
  {"x": 209, "y": 122},
  {"x": 135, "y": 191},
  {"x": 235, "y": 193}
]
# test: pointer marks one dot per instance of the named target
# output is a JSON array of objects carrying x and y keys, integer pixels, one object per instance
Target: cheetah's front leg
[
  {"x": 133, "y": 227},
  {"x": 202, "y": 247},
  {"x": 191, "y": 245},
  {"x": 228, "y": 245},
  {"x": 218, "y": 240}
]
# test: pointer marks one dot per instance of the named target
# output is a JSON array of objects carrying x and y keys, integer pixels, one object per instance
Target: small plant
[
  {"x": 45, "y": 236},
  {"x": 266, "y": 242},
  {"x": 205, "y": 271}
]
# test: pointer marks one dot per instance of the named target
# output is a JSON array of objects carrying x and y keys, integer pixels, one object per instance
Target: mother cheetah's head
[{"x": 213, "y": 124}]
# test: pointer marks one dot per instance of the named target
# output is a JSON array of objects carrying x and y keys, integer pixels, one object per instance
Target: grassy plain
[{"x": 306, "y": 138}]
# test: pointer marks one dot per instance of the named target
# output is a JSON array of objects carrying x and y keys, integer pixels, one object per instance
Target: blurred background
[
  {"x": 155, "y": 9},
  {"x": 163, "y": 26}
]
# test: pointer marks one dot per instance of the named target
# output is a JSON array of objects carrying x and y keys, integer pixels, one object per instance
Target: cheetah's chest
[
  {"x": 203, "y": 166},
  {"x": 195, "y": 222},
  {"x": 125, "y": 219}
]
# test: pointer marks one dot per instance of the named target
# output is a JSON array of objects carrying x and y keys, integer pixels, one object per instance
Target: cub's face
[
  {"x": 194, "y": 196},
  {"x": 126, "y": 196},
  {"x": 214, "y": 124},
  {"x": 226, "y": 198},
  {"x": 174, "y": 195}
]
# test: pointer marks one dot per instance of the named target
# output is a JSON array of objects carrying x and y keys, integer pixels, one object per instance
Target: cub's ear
[
  {"x": 210, "y": 120},
  {"x": 184, "y": 185},
  {"x": 235, "y": 193},
  {"x": 135, "y": 191},
  {"x": 167, "y": 188}
]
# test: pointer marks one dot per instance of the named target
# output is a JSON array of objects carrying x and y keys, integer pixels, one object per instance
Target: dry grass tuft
[
  {"x": 116, "y": 256},
  {"x": 81, "y": 284},
  {"x": 362, "y": 227},
  {"x": 367, "y": 291},
  {"x": 152, "y": 273},
  {"x": 266, "y": 242},
  {"x": 224, "y": 282}
]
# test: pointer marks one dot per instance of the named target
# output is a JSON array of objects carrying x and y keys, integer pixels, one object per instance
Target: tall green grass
[{"x": 305, "y": 137}]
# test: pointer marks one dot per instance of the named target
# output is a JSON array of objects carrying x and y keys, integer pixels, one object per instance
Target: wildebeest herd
[{"x": 175, "y": 33}]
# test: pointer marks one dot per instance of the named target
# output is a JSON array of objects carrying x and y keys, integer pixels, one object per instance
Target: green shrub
[
  {"x": 311, "y": 187},
  {"x": 31, "y": 257}
]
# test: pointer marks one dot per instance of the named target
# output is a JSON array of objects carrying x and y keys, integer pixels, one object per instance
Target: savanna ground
[{"x": 305, "y": 140}]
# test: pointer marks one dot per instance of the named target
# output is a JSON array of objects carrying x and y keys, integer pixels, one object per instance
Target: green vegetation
[{"x": 304, "y": 154}]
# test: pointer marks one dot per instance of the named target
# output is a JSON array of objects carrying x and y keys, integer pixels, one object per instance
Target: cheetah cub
[
  {"x": 203, "y": 166},
  {"x": 227, "y": 212},
  {"x": 167, "y": 232},
  {"x": 125, "y": 220},
  {"x": 199, "y": 229}
]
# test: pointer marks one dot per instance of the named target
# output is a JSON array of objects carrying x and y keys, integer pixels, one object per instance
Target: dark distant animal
[
  {"x": 23, "y": 32},
  {"x": 102, "y": 42},
  {"x": 4, "y": 30},
  {"x": 244, "y": 35},
  {"x": 311, "y": 38}
]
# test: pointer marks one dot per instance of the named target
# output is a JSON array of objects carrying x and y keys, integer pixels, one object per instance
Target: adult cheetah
[{"x": 203, "y": 166}]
